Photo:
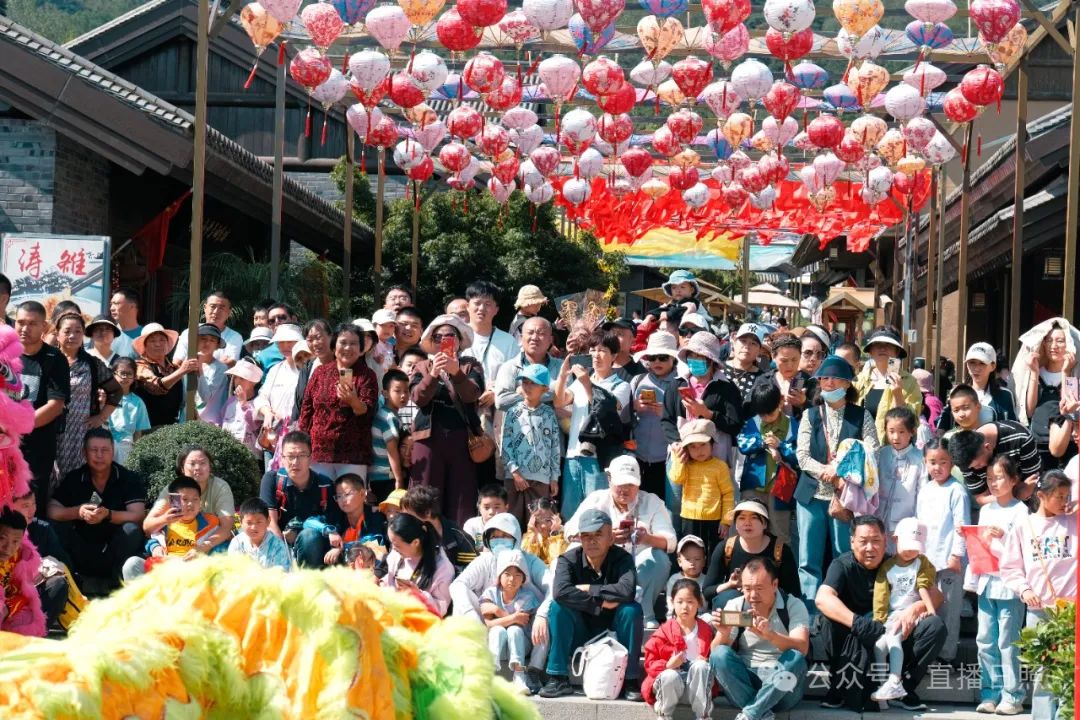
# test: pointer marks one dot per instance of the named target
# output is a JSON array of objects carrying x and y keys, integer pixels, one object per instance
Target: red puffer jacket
[{"x": 665, "y": 642}]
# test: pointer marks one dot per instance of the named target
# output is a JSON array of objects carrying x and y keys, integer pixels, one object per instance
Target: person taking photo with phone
[{"x": 883, "y": 384}]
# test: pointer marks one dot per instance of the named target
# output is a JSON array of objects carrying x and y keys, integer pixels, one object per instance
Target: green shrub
[
  {"x": 1051, "y": 646},
  {"x": 154, "y": 456}
]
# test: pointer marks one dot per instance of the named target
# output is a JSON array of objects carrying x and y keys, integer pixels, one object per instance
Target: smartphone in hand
[
  {"x": 95, "y": 499},
  {"x": 446, "y": 346},
  {"x": 687, "y": 394},
  {"x": 174, "y": 501},
  {"x": 346, "y": 374}
]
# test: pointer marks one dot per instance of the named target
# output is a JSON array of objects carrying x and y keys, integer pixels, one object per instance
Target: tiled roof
[{"x": 120, "y": 20}]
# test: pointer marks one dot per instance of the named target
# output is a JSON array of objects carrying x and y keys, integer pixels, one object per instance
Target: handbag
[
  {"x": 837, "y": 511},
  {"x": 481, "y": 445},
  {"x": 784, "y": 482},
  {"x": 601, "y": 663}
]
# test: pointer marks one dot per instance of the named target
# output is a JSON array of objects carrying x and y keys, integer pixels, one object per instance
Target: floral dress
[{"x": 69, "y": 450}]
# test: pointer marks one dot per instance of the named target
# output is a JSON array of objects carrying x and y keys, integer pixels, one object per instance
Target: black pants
[
  {"x": 850, "y": 659},
  {"x": 97, "y": 559},
  {"x": 653, "y": 477},
  {"x": 53, "y": 593},
  {"x": 41, "y": 462},
  {"x": 707, "y": 530}
]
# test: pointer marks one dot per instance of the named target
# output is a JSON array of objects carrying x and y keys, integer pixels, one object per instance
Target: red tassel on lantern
[
  {"x": 978, "y": 146},
  {"x": 963, "y": 154},
  {"x": 322, "y": 140},
  {"x": 307, "y": 121}
]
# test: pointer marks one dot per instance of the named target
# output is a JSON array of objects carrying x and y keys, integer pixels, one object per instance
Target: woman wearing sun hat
[
  {"x": 445, "y": 394},
  {"x": 883, "y": 385},
  {"x": 649, "y": 392},
  {"x": 157, "y": 377},
  {"x": 102, "y": 332},
  {"x": 823, "y": 427}
]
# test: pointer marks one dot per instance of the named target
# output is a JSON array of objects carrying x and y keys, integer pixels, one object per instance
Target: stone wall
[
  {"x": 27, "y": 155},
  {"x": 81, "y": 198}
]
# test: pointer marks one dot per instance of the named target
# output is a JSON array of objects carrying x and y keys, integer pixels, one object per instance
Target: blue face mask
[
  {"x": 835, "y": 395},
  {"x": 698, "y": 367},
  {"x": 500, "y": 545}
]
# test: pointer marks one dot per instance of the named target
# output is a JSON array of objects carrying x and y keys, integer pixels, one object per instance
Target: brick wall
[
  {"x": 27, "y": 153},
  {"x": 81, "y": 198}
]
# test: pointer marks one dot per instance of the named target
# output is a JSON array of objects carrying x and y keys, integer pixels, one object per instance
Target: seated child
[
  {"x": 508, "y": 609},
  {"x": 238, "y": 417},
  {"x": 491, "y": 502},
  {"x": 360, "y": 557},
  {"x": 677, "y": 657},
  {"x": 20, "y": 607},
  {"x": 129, "y": 420},
  {"x": 387, "y": 472},
  {"x": 254, "y": 539},
  {"x": 543, "y": 537},
  {"x": 767, "y": 441},
  {"x": 185, "y": 537},
  {"x": 708, "y": 496},
  {"x": 902, "y": 581},
  {"x": 351, "y": 521},
  {"x": 691, "y": 556},
  {"x": 61, "y": 599}
]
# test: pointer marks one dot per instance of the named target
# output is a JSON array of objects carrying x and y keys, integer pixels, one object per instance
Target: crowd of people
[{"x": 545, "y": 480}]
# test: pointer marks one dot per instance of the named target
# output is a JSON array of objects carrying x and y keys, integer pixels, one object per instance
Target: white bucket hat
[
  {"x": 660, "y": 343},
  {"x": 287, "y": 333},
  {"x": 464, "y": 332}
]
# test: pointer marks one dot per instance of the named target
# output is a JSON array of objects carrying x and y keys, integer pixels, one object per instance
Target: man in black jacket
[{"x": 593, "y": 591}]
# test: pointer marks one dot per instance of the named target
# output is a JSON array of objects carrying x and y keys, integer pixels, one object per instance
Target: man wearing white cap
[
  {"x": 216, "y": 310},
  {"x": 641, "y": 526}
]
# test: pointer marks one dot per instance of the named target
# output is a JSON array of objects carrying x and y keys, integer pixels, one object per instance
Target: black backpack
[{"x": 603, "y": 425}]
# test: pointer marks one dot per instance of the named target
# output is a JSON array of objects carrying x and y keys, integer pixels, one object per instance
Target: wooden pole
[
  {"x": 1072, "y": 212},
  {"x": 279, "y": 178},
  {"x": 939, "y": 293},
  {"x": 931, "y": 267},
  {"x": 1018, "y": 208},
  {"x": 414, "y": 275},
  {"x": 346, "y": 254},
  {"x": 747, "y": 240},
  {"x": 962, "y": 255},
  {"x": 380, "y": 193},
  {"x": 907, "y": 319},
  {"x": 198, "y": 200}
]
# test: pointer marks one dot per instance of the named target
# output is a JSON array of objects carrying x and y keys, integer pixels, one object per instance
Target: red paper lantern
[
  {"x": 455, "y": 34},
  {"x": 373, "y": 98},
  {"x": 735, "y": 195},
  {"x": 665, "y": 141},
  {"x": 615, "y": 129},
  {"x": 464, "y": 122},
  {"x": 789, "y": 47},
  {"x": 310, "y": 68},
  {"x": 506, "y": 170},
  {"x": 493, "y": 140},
  {"x": 384, "y": 134},
  {"x": 602, "y": 76},
  {"x": 422, "y": 171},
  {"x": 404, "y": 92},
  {"x": 775, "y": 167},
  {"x": 982, "y": 86},
  {"x": 724, "y": 15},
  {"x": 691, "y": 74},
  {"x": 850, "y": 150},
  {"x": 545, "y": 160},
  {"x": 825, "y": 132},
  {"x": 620, "y": 101},
  {"x": 685, "y": 126},
  {"x": 753, "y": 179},
  {"x": 958, "y": 108},
  {"x": 484, "y": 72},
  {"x": 481, "y": 13},
  {"x": 683, "y": 178},
  {"x": 506, "y": 96},
  {"x": 781, "y": 100},
  {"x": 455, "y": 157},
  {"x": 636, "y": 161}
]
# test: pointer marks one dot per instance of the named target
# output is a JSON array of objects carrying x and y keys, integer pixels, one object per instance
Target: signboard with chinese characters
[{"x": 52, "y": 268}]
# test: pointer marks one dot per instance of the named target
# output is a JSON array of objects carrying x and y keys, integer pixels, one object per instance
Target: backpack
[
  {"x": 729, "y": 550},
  {"x": 603, "y": 423},
  {"x": 781, "y": 612},
  {"x": 601, "y": 662},
  {"x": 280, "y": 495}
]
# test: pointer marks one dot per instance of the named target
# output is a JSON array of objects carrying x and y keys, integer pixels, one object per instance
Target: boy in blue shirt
[{"x": 531, "y": 444}]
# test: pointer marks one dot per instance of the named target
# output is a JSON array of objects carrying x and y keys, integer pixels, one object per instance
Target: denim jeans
[
  {"x": 512, "y": 641},
  {"x": 694, "y": 685},
  {"x": 310, "y": 547},
  {"x": 653, "y": 570},
  {"x": 569, "y": 629},
  {"x": 752, "y": 695},
  {"x": 582, "y": 475},
  {"x": 815, "y": 528},
  {"x": 999, "y": 660},
  {"x": 1044, "y": 706}
]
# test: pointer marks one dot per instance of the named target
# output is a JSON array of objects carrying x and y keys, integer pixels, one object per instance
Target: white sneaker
[
  {"x": 520, "y": 686},
  {"x": 986, "y": 706},
  {"x": 891, "y": 689},
  {"x": 652, "y": 625},
  {"x": 1006, "y": 707}
]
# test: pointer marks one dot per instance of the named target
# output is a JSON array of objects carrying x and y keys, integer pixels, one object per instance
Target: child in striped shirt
[{"x": 386, "y": 472}]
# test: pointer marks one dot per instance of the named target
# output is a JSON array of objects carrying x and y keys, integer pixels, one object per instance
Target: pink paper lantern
[
  {"x": 484, "y": 72},
  {"x": 322, "y": 23}
]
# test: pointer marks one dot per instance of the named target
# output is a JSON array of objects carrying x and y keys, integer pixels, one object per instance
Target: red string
[
  {"x": 251, "y": 77},
  {"x": 281, "y": 53},
  {"x": 323, "y": 139},
  {"x": 416, "y": 196},
  {"x": 307, "y": 121},
  {"x": 963, "y": 153}
]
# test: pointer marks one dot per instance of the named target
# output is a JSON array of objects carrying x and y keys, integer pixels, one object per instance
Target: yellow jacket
[
  {"x": 912, "y": 396},
  {"x": 707, "y": 490}
]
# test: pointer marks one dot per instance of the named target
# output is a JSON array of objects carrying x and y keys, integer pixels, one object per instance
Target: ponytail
[{"x": 410, "y": 528}]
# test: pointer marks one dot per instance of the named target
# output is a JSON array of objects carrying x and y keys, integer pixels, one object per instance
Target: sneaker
[
  {"x": 833, "y": 700},
  {"x": 533, "y": 680},
  {"x": 520, "y": 686},
  {"x": 1007, "y": 707},
  {"x": 768, "y": 716},
  {"x": 632, "y": 693},
  {"x": 652, "y": 625},
  {"x": 557, "y": 686},
  {"x": 986, "y": 706},
  {"x": 891, "y": 689},
  {"x": 911, "y": 701}
]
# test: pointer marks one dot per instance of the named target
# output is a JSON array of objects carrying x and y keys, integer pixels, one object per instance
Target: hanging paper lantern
[
  {"x": 958, "y": 108},
  {"x": 765, "y": 199},
  {"x": 939, "y": 150},
  {"x": 751, "y": 79},
  {"x": 918, "y": 131},
  {"x": 865, "y": 47},
  {"x": 761, "y": 143},
  {"x": 322, "y": 23},
  {"x": 422, "y": 171},
  {"x": 879, "y": 180},
  {"x": 362, "y": 119},
  {"x": 686, "y": 159},
  {"x": 780, "y": 133},
  {"x": 408, "y": 154},
  {"x": 590, "y": 163},
  {"x": 789, "y": 16},
  {"x": 868, "y": 131},
  {"x": 850, "y": 150},
  {"x": 527, "y": 139},
  {"x": 506, "y": 96},
  {"x": 904, "y": 102},
  {"x": 369, "y": 68},
  {"x": 548, "y": 15},
  {"x": 722, "y": 173},
  {"x": 578, "y": 126},
  {"x": 867, "y": 81},
  {"x": 930, "y": 11},
  {"x": 823, "y": 198},
  {"x": 928, "y": 37},
  {"x": 753, "y": 179},
  {"x": 691, "y": 74},
  {"x": 388, "y": 25},
  {"x": 464, "y": 122},
  {"x": 530, "y": 175},
  {"x": 384, "y": 134},
  {"x": 602, "y": 76},
  {"x": 789, "y": 47},
  {"x": 282, "y": 10},
  {"x": 620, "y": 188},
  {"x": 649, "y": 74},
  {"x": 782, "y": 99},
  {"x": 982, "y": 86},
  {"x": 669, "y": 92},
  {"x": 539, "y": 194},
  {"x": 499, "y": 190},
  {"x": 598, "y": 14},
  {"x": 775, "y": 167},
  {"x": 310, "y": 68},
  {"x": 559, "y": 74},
  {"x": 722, "y": 99},
  {"x": 481, "y": 13},
  {"x": 516, "y": 26},
  {"x": 332, "y": 90},
  {"x": 719, "y": 144},
  {"x": 421, "y": 12},
  {"x": 493, "y": 140},
  {"x": 506, "y": 170},
  {"x": 925, "y": 78},
  {"x": 261, "y": 26},
  {"x": 735, "y": 195},
  {"x": 723, "y": 15},
  {"x": 858, "y": 16},
  {"x": 811, "y": 180},
  {"x": 655, "y": 188},
  {"x": 682, "y": 178},
  {"x": 829, "y": 167},
  {"x": 619, "y": 102},
  {"x": 870, "y": 197},
  {"x": 665, "y": 141},
  {"x": 685, "y": 125},
  {"x": 352, "y": 12},
  {"x": 664, "y": 8},
  {"x": 427, "y": 70},
  {"x": 891, "y": 146},
  {"x": 455, "y": 34},
  {"x": 909, "y": 165},
  {"x": 994, "y": 18},
  {"x": 430, "y": 135},
  {"x": 615, "y": 129},
  {"x": 483, "y": 73},
  {"x": 658, "y": 39},
  {"x": 519, "y": 118},
  {"x": 739, "y": 160},
  {"x": 576, "y": 190},
  {"x": 587, "y": 41},
  {"x": 729, "y": 46},
  {"x": 808, "y": 76},
  {"x": 840, "y": 97},
  {"x": 404, "y": 91},
  {"x": 696, "y": 196},
  {"x": 802, "y": 142},
  {"x": 636, "y": 161},
  {"x": 545, "y": 159},
  {"x": 738, "y": 127},
  {"x": 825, "y": 131},
  {"x": 1008, "y": 48},
  {"x": 421, "y": 115}
]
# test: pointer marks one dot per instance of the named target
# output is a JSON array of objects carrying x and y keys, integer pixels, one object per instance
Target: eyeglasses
[
  {"x": 812, "y": 354},
  {"x": 295, "y": 458},
  {"x": 275, "y": 319}
]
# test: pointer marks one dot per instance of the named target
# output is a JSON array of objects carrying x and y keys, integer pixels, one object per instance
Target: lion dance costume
[{"x": 225, "y": 638}]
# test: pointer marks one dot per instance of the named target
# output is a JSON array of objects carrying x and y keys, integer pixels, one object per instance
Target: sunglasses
[
  {"x": 656, "y": 358},
  {"x": 813, "y": 354},
  {"x": 687, "y": 331},
  {"x": 444, "y": 336}
]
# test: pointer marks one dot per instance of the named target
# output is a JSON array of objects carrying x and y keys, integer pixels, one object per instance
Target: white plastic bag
[{"x": 601, "y": 662}]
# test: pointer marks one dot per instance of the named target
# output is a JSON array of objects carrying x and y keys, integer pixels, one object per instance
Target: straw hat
[
  {"x": 103, "y": 321},
  {"x": 149, "y": 329},
  {"x": 529, "y": 295}
]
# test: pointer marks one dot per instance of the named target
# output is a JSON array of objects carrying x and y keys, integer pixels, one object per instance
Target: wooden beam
[
  {"x": 1072, "y": 211},
  {"x": 747, "y": 241},
  {"x": 380, "y": 198},
  {"x": 931, "y": 267},
  {"x": 346, "y": 260},
  {"x": 1039, "y": 34},
  {"x": 948, "y": 135},
  {"x": 198, "y": 201},
  {"x": 278, "y": 180},
  {"x": 1048, "y": 25},
  {"x": 224, "y": 17},
  {"x": 415, "y": 261},
  {"x": 962, "y": 261},
  {"x": 1018, "y": 205}
]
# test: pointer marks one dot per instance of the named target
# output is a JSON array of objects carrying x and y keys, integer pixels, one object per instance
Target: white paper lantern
[{"x": 752, "y": 79}]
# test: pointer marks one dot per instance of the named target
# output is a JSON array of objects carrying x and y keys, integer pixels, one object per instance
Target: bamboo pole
[
  {"x": 931, "y": 267},
  {"x": 747, "y": 240},
  {"x": 198, "y": 200},
  {"x": 907, "y": 314},
  {"x": 1018, "y": 209},
  {"x": 939, "y": 294},
  {"x": 380, "y": 196},
  {"x": 414, "y": 275},
  {"x": 1072, "y": 212},
  {"x": 279, "y": 176},
  {"x": 346, "y": 252},
  {"x": 962, "y": 255}
]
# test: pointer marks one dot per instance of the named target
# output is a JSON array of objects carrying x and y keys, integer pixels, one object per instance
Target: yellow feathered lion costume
[{"x": 223, "y": 638}]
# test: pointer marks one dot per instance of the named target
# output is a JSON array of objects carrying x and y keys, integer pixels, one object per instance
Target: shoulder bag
[
  {"x": 481, "y": 445},
  {"x": 837, "y": 511}
]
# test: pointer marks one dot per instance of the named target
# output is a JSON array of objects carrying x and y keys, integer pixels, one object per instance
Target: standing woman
[
  {"x": 157, "y": 377},
  {"x": 742, "y": 369},
  {"x": 276, "y": 398},
  {"x": 445, "y": 393},
  {"x": 882, "y": 385},
  {"x": 102, "y": 332},
  {"x": 83, "y": 411},
  {"x": 821, "y": 431},
  {"x": 317, "y": 334},
  {"x": 339, "y": 405},
  {"x": 1047, "y": 356},
  {"x": 997, "y": 400}
]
